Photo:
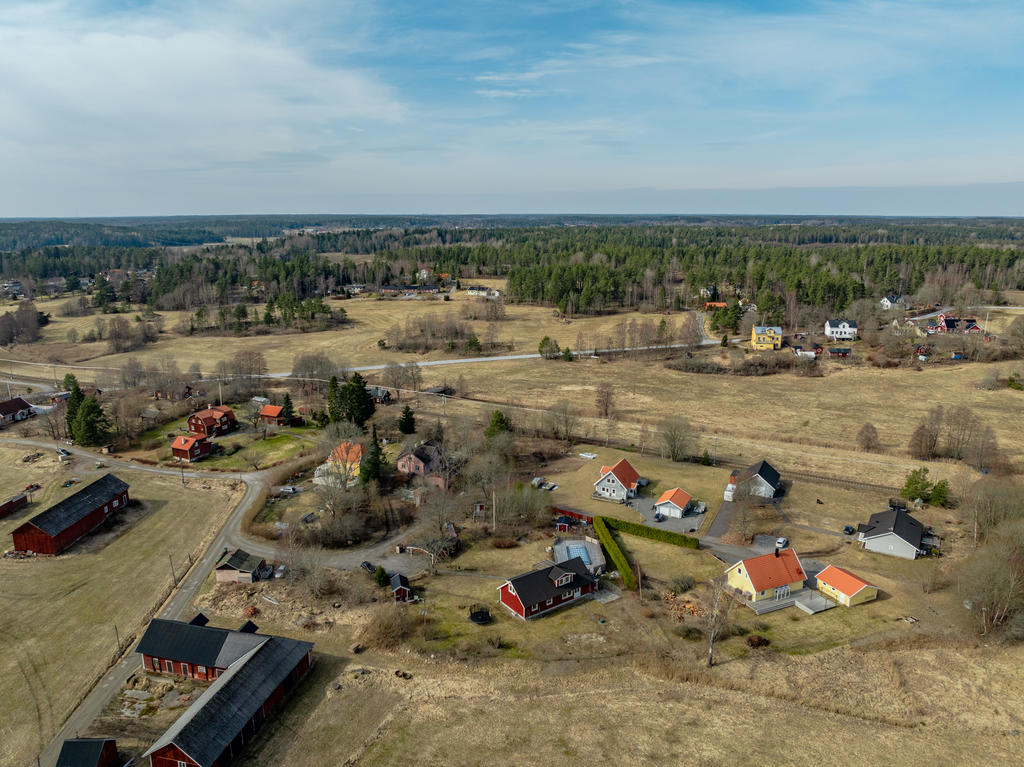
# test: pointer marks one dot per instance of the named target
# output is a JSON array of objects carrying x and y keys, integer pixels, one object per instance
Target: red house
[
  {"x": 537, "y": 592},
  {"x": 946, "y": 324},
  {"x": 224, "y": 719},
  {"x": 88, "y": 752},
  {"x": 213, "y": 421},
  {"x": 190, "y": 448},
  {"x": 12, "y": 504},
  {"x": 271, "y": 414},
  {"x": 53, "y": 530},
  {"x": 400, "y": 588},
  {"x": 193, "y": 649}
]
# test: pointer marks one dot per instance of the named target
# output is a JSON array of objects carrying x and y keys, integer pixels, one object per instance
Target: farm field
[{"x": 48, "y": 667}]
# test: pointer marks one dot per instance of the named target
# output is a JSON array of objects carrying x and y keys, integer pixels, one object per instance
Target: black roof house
[
  {"x": 206, "y": 730},
  {"x": 896, "y": 521},
  {"x": 74, "y": 508},
  {"x": 14, "y": 406},
  {"x": 242, "y": 561},
  {"x": 196, "y": 643},
  {"x": 82, "y": 752},
  {"x": 540, "y": 585},
  {"x": 761, "y": 469},
  {"x": 399, "y": 581}
]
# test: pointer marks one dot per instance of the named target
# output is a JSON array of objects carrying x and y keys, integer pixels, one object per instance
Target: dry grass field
[{"x": 59, "y": 613}]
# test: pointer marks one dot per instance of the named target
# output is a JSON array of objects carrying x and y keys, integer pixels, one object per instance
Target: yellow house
[
  {"x": 765, "y": 337},
  {"x": 844, "y": 587},
  {"x": 770, "y": 576},
  {"x": 342, "y": 467}
]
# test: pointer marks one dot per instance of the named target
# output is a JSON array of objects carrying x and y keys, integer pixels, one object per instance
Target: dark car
[
  {"x": 848, "y": 530},
  {"x": 368, "y": 567}
]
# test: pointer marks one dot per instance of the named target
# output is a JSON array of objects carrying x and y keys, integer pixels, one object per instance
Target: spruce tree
[
  {"x": 499, "y": 423},
  {"x": 356, "y": 403},
  {"x": 74, "y": 402},
  {"x": 287, "y": 409},
  {"x": 91, "y": 426},
  {"x": 369, "y": 469},
  {"x": 334, "y": 411},
  {"x": 407, "y": 421}
]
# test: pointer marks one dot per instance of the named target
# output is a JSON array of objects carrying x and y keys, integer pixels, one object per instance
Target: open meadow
[{"x": 60, "y": 612}]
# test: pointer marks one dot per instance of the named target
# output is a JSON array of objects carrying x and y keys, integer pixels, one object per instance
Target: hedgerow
[
  {"x": 655, "y": 534},
  {"x": 615, "y": 554}
]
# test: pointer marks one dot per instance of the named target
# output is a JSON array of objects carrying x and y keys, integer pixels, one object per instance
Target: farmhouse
[
  {"x": 540, "y": 591},
  {"x": 381, "y": 395},
  {"x": 15, "y": 409},
  {"x": 947, "y": 324},
  {"x": 342, "y": 465},
  {"x": 190, "y": 448},
  {"x": 216, "y": 728},
  {"x": 765, "y": 337},
  {"x": 893, "y": 301},
  {"x": 213, "y": 421},
  {"x": 88, "y": 752},
  {"x": 271, "y": 415},
  {"x": 768, "y": 577},
  {"x": 844, "y": 587},
  {"x": 673, "y": 503},
  {"x": 425, "y": 460},
  {"x": 12, "y": 504},
  {"x": 617, "y": 482},
  {"x": 761, "y": 480},
  {"x": 841, "y": 330},
  {"x": 400, "y": 588},
  {"x": 893, "y": 532},
  {"x": 53, "y": 530},
  {"x": 243, "y": 567}
]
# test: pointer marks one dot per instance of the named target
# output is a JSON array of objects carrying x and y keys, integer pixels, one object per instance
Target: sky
[{"x": 128, "y": 107}]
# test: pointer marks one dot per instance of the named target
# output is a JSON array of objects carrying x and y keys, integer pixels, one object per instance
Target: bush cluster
[{"x": 614, "y": 553}]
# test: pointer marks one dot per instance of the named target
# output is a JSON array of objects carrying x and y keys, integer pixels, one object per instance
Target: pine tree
[
  {"x": 334, "y": 400},
  {"x": 91, "y": 426},
  {"x": 407, "y": 421},
  {"x": 499, "y": 423},
  {"x": 356, "y": 403},
  {"x": 369, "y": 469},
  {"x": 380, "y": 576},
  {"x": 74, "y": 402},
  {"x": 287, "y": 409}
]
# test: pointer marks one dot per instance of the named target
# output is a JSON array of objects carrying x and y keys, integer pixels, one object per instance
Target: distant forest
[{"x": 579, "y": 264}]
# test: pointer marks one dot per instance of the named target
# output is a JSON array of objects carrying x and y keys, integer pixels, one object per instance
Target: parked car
[
  {"x": 849, "y": 530},
  {"x": 368, "y": 567},
  {"x": 288, "y": 490},
  {"x": 781, "y": 542},
  {"x": 61, "y": 451},
  {"x": 279, "y": 572},
  {"x": 658, "y": 516}
]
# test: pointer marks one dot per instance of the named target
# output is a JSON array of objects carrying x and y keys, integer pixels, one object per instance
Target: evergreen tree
[
  {"x": 438, "y": 433},
  {"x": 499, "y": 423},
  {"x": 917, "y": 485},
  {"x": 940, "y": 493},
  {"x": 407, "y": 421},
  {"x": 287, "y": 409},
  {"x": 91, "y": 426},
  {"x": 334, "y": 400},
  {"x": 356, "y": 403},
  {"x": 74, "y": 402},
  {"x": 380, "y": 577},
  {"x": 370, "y": 467}
]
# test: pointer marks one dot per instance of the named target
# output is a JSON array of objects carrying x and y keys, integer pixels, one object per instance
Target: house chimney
[{"x": 776, "y": 551}]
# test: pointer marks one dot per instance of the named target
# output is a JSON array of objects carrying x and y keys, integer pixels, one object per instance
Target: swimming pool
[{"x": 578, "y": 550}]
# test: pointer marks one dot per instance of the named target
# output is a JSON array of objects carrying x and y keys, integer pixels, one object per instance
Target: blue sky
[{"x": 124, "y": 107}]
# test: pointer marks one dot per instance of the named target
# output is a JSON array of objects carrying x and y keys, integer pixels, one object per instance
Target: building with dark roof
[
  {"x": 242, "y": 567},
  {"x": 53, "y": 530},
  {"x": 400, "y": 589},
  {"x": 893, "y": 532},
  {"x": 225, "y": 718},
  {"x": 192, "y": 649},
  {"x": 88, "y": 752},
  {"x": 760, "y": 479},
  {"x": 547, "y": 588},
  {"x": 15, "y": 409}
]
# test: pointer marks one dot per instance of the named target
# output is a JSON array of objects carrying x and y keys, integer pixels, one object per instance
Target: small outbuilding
[
  {"x": 88, "y": 752},
  {"x": 12, "y": 504},
  {"x": 400, "y": 589},
  {"x": 844, "y": 587},
  {"x": 272, "y": 415},
  {"x": 673, "y": 503},
  {"x": 242, "y": 567}
]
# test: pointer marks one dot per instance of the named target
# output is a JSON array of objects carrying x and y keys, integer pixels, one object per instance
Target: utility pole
[
  {"x": 715, "y": 461},
  {"x": 174, "y": 578},
  {"x": 117, "y": 636},
  {"x": 181, "y": 465},
  {"x": 220, "y": 393},
  {"x": 494, "y": 512}
]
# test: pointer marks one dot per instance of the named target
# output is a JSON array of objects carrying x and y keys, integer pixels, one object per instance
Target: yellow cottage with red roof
[
  {"x": 844, "y": 587},
  {"x": 769, "y": 576}
]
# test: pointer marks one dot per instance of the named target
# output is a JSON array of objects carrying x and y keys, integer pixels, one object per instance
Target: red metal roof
[{"x": 624, "y": 472}]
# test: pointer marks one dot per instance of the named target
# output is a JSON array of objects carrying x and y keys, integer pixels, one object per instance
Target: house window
[
  {"x": 182, "y": 764},
  {"x": 168, "y": 667},
  {"x": 201, "y": 670},
  {"x": 116, "y": 502},
  {"x": 550, "y": 601}
]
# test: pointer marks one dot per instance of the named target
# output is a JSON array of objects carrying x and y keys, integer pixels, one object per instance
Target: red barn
[
  {"x": 537, "y": 592},
  {"x": 12, "y": 504},
  {"x": 271, "y": 414},
  {"x": 88, "y": 752},
  {"x": 213, "y": 421},
  {"x": 190, "y": 448},
  {"x": 224, "y": 719},
  {"x": 53, "y": 530},
  {"x": 400, "y": 588}
]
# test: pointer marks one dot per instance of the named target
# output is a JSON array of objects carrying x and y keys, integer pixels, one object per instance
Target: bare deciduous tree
[
  {"x": 716, "y": 604},
  {"x": 604, "y": 399},
  {"x": 867, "y": 438},
  {"x": 677, "y": 438}
]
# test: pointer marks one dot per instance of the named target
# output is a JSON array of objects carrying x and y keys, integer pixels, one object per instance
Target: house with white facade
[
  {"x": 673, "y": 503},
  {"x": 841, "y": 330},
  {"x": 893, "y": 532},
  {"x": 893, "y": 301},
  {"x": 761, "y": 480},
  {"x": 618, "y": 482}
]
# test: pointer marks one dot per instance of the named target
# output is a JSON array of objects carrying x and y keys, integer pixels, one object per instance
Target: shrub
[
  {"x": 614, "y": 553},
  {"x": 380, "y": 576},
  {"x": 655, "y": 534},
  {"x": 681, "y": 584},
  {"x": 388, "y": 626},
  {"x": 756, "y": 640},
  {"x": 504, "y": 543},
  {"x": 736, "y": 630},
  {"x": 689, "y": 632}
]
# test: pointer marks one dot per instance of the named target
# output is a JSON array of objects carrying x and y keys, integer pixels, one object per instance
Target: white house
[
  {"x": 673, "y": 503},
  {"x": 841, "y": 330},
  {"x": 761, "y": 480},
  {"x": 892, "y": 301},
  {"x": 617, "y": 482},
  {"x": 893, "y": 532}
]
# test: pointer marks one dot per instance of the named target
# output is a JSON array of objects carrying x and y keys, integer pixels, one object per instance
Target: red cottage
[
  {"x": 271, "y": 414},
  {"x": 400, "y": 588},
  {"x": 537, "y": 592},
  {"x": 53, "y": 530},
  {"x": 213, "y": 421},
  {"x": 225, "y": 718},
  {"x": 190, "y": 448},
  {"x": 88, "y": 752},
  {"x": 12, "y": 504}
]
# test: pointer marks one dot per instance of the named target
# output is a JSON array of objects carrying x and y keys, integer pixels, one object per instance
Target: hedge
[
  {"x": 655, "y": 534},
  {"x": 615, "y": 553}
]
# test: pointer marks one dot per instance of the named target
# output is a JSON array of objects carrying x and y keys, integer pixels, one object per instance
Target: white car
[
  {"x": 781, "y": 543},
  {"x": 288, "y": 490}
]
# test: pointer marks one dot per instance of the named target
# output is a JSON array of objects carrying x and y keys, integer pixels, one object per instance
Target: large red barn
[
  {"x": 52, "y": 531},
  {"x": 540, "y": 591}
]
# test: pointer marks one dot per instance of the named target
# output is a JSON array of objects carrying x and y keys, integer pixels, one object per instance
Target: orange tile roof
[
  {"x": 623, "y": 472},
  {"x": 843, "y": 580},
  {"x": 272, "y": 411},
  {"x": 769, "y": 571},
  {"x": 347, "y": 452},
  {"x": 184, "y": 443},
  {"x": 677, "y": 496}
]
